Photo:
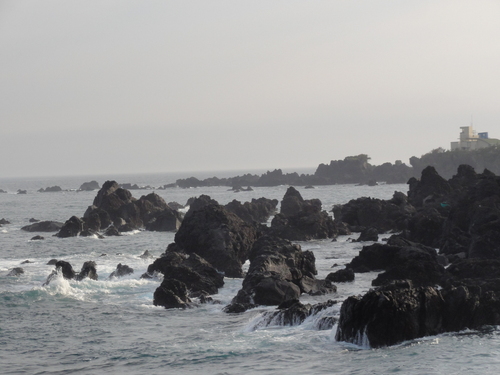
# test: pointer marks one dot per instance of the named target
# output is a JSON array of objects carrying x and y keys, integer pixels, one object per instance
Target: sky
[{"x": 95, "y": 87}]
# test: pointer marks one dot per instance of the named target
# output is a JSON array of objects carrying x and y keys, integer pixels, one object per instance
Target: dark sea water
[{"x": 111, "y": 326}]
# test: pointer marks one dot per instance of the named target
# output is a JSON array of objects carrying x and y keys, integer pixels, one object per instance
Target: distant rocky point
[
  {"x": 89, "y": 186},
  {"x": 52, "y": 189}
]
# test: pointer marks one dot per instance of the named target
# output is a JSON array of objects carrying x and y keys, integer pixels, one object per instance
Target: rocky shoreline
[{"x": 439, "y": 269}]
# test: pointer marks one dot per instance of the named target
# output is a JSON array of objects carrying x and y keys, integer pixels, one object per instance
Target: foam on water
[{"x": 112, "y": 326}]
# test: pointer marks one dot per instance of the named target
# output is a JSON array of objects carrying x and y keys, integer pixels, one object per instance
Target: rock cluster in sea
[{"x": 414, "y": 293}]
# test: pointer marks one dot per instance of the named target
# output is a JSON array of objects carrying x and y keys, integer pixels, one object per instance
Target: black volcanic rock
[
  {"x": 196, "y": 273},
  {"x": 71, "y": 228},
  {"x": 431, "y": 188},
  {"x": 88, "y": 271},
  {"x": 383, "y": 215},
  {"x": 121, "y": 270},
  {"x": 51, "y": 189},
  {"x": 66, "y": 268},
  {"x": 401, "y": 259},
  {"x": 279, "y": 271},
  {"x": 389, "y": 315},
  {"x": 43, "y": 226},
  {"x": 256, "y": 211},
  {"x": 89, "y": 186},
  {"x": 302, "y": 220},
  {"x": 17, "y": 271},
  {"x": 172, "y": 294},
  {"x": 341, "y": 276},
  {"x": 217, "y": 235},
  {"x": 293, "y": 313}
]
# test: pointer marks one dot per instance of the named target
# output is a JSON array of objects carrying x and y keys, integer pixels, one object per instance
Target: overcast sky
[{"x": 96, "y": 87}]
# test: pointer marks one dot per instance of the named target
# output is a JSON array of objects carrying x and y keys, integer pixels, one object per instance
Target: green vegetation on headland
[{"x": 358, "y": 170}]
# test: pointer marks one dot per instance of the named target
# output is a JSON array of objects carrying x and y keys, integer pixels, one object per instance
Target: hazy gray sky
[{"x": 160, "y": 86}]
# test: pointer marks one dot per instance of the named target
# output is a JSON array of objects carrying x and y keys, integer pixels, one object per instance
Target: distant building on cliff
[{"x": 469, "y": 140}]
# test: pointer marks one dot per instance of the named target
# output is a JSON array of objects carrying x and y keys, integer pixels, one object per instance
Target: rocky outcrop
[
  {"x": 51, "y": 189},
  {"x": 401, "y": 259},
  {"x": 121, "y": 270},
  {"x": 89, "y": 186},
  {"x": 279, "y": 271},
  {"x": 256, "y": 211},
  {"x": 71, "y": 228},
  {"x": 391, "y": 315},
  {"x": 115, "y": 207},
  {"x": 293, "y": 313},
  {"x": 88, "y": 271},
  {"x": 43, "y": 226},
  {"x": 302, "y": 220},
  {"x": 217, "y": 235},
  {"x": 188, "y": 275},
  {"x": 17, "y": 271},
  {"x": 172, "y": 294},
  {"x": 383, "y": 215},
  {"x": 341, "y": 276},
  {"x": 66, "y": 269}
]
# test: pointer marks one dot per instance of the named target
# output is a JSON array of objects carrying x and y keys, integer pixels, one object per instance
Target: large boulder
[
  {"x": 279, "y": 271},
  {"x": 172, "y": 294},
  {"x": 401, "y": 259},
  {"x": 302, "y": 220},
  {"x": 88, "y": 271},
  {"x": 89, "y": 186},
  {"x": 293, "y": 313},
  {"x": 430, "y": 189},
  {"x": 121, "y": 270},
  {"x": 199, "y": 276},
  {"x": 119, "y": 204},
  {"x": 217, "y": 235},
  {"x": 383, "y": 215},
  {"x": 391, "y": 315},
  {"x": 256, "y": 211},
  {"x": 71, "y": 228},
  {"x": 44, "y": 226}
]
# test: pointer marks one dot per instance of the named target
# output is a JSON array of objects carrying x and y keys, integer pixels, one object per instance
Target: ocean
[{"x": 110, "y": 326}]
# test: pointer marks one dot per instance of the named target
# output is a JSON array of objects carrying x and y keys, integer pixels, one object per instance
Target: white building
[{"x": 470, "y": 140}]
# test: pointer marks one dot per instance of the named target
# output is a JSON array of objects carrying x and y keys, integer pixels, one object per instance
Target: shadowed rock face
[
  {"x": 302, "y": 220},
  {"x": 279, "y": 271},
  {"x": 389, "y": 316},
  {"x": 218, "y": 236},
  {"x": 400, "y": 259},
  {"x": 43, "y": 226},
  {"x": 185, "y": 276},
  {"x": 256, "y": 211},
  {"x": 382, "y": 215}
]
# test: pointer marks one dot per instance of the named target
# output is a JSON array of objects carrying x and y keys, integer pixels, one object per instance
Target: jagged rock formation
[
  {"x": 302, "y": 220},
  {"x": 279, "y": 271}
]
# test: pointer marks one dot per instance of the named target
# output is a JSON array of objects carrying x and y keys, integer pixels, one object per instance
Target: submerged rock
[
  {"x": 43, "y": 226},
  {"x": 294, "y": 313},
  {"x": 121, "y": 270},
  {"x": 17, "y": 271}
]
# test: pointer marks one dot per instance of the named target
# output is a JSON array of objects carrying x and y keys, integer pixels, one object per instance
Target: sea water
[{"x": 111, "y": 325}]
